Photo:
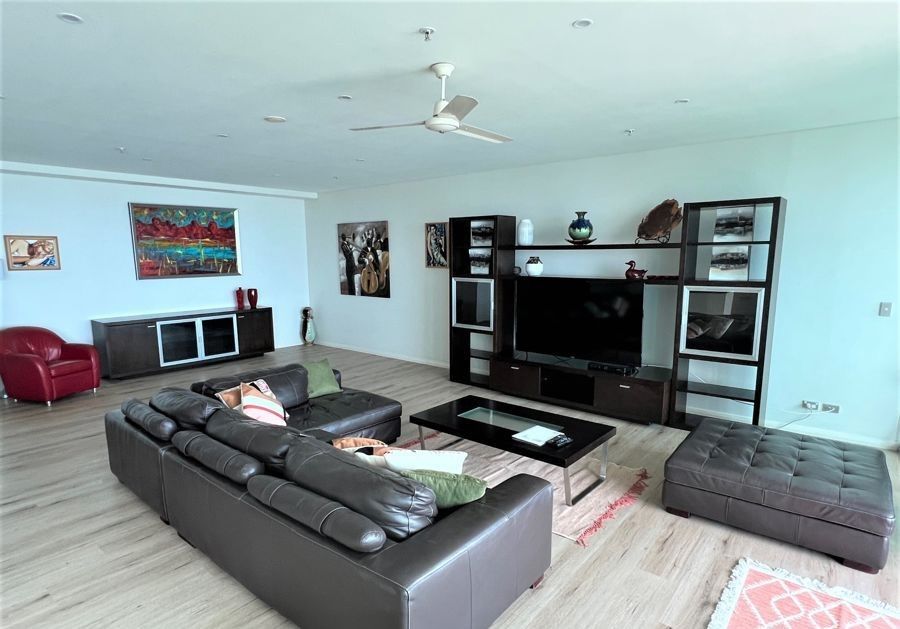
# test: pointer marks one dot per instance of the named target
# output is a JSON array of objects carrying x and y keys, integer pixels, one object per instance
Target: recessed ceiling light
[
  {"x": 583, "y": 22},
  {"x": 146, "y": 159},
  {"x": 275, "y": 119},
  {"x": 629, "y": 131},
  {"x": 121, "y": 149},
  {"x": 70, "y": 18},
  {"x": 682, "y": 101},
  {"x": 345, "y": 97},
  {"x": 222, "y": 135},
  {"x": 335, "y": 177},
  {"x": 360, "y": 159}
]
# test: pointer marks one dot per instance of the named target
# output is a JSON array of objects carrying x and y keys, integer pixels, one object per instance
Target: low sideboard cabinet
[{"x": 142, "y": 344}]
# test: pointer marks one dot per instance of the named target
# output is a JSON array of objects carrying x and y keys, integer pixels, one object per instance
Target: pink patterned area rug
[
  {"x": 609, "y": 501},
  {"x": 758, "y": 596}
]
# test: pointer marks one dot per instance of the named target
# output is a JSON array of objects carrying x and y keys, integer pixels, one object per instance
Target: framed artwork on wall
[
  {"x": 364, "y": 259},
  {"x": 436, "y": 246},
  {"x": 184, "y": 241},
  {"x": 32, "y": 253}
]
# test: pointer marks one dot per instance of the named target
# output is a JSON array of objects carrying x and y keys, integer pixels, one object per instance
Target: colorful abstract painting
[{"x": 182, "y": 241}]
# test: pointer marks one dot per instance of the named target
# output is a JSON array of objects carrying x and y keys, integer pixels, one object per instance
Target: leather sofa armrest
[
  {"x": 83, "y": 351},
  {"x": 26, "y": 376},
  {"x": 518, "y": 510}
]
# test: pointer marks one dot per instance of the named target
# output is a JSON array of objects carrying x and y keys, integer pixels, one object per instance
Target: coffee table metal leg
[
  {"x": 422, "y": 442},
  {"x": 604, "y": 456}
]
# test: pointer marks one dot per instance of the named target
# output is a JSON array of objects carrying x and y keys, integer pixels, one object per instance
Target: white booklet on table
[{"x": 536, "y": 435}]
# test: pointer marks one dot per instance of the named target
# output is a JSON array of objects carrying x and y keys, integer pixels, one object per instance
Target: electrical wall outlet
[
  {"x": 831, "y": 408},
  {"x": 810, "y": 406}
]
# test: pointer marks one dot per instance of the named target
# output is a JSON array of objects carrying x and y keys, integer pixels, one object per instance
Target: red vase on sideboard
[
  {"x": 239, "y": 297},
  {"x": 252, "y": 297}
]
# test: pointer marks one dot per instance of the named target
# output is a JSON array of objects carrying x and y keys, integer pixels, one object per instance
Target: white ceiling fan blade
[
  {"x": 482, "y": 134},
  {"x": 389, "y": 126},
  {"x": 460, "y": 106}
]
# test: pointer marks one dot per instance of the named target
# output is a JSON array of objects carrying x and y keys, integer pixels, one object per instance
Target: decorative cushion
[
  {"x": 230, "y": 397},
  {"x": 321, "y": 380},
  {"x": 190, "y": 410},
  {"x": 261, "y": 407},
  {"x": 450, "y": 490},
  {"x": 449, "y": 461},
  {"x": 350, "y": 443},
  {"x": 401, "y": 506},
  {"x": 288, "y": 383}
]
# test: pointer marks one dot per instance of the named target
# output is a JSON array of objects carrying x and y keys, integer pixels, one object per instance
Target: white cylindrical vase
[{"x": 525, "y": 233}]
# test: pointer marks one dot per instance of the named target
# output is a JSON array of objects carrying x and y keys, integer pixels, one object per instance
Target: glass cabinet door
[
  {"x": 219, "y": 336},
  {"x": 177, "y": 342}
]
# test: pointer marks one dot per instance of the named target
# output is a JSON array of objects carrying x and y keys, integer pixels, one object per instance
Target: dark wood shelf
[
  {"x": 481, "y": 354},
  {"x": 718, "y": 390},
  {"x": 730, "y": 243},
  {"x": 567, "y": 247},
  {"x": 726, "y": 284},
  {"x": 717, "y": 359},
  {"x": 670, "y": 282},
  {"x": 479, "y": 379}
]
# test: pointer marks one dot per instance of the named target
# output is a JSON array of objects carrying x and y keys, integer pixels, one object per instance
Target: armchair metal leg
[
  {"x": 49, "y": 403},
  {"x": 94, "y": 390}
]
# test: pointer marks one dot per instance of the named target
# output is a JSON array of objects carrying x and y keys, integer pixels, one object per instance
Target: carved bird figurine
[{"x": 633, "y": 273}]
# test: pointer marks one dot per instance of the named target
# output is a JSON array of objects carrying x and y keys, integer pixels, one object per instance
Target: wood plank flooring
[{"x": 77, "y": 549}]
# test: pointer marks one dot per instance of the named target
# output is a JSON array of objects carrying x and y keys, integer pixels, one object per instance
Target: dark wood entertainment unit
[
  {"x": 141, "y": 344},
  {"x": 643, "y": 397}
]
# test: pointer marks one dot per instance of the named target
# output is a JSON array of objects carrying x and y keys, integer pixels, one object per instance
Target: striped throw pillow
[{"x": 261, "y": 407}]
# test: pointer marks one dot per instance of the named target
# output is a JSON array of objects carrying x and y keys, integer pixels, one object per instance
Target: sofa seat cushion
[
  {"x": 348, "y": 411},
  {"x": 59, "y": 368},
  {"x": 819, "y": 478},
  {"x": 289, "y": 383},
  {"x": 401, "y": 506}
]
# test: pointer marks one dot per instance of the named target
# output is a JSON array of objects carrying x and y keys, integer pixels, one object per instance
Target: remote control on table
[{"x": 560, "y": 441}]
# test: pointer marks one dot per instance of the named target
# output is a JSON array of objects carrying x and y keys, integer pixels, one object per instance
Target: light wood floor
[{"x": 80, "y": 550}]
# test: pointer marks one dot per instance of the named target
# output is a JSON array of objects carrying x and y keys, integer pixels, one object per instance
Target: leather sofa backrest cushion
[
  {"x": 401, "y": 506},
  {"x": 190, "y": 410},
  {"x": 324, "y": 516},
  {"x": 151, "y": 422},
  {"x": 265, "y": 442},
  {"x": 289, "y": 383},
  {"x": 218, "y": 457}
]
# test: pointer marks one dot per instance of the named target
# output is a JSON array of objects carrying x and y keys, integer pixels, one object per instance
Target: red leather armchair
[{"x": 37, "y": 365}]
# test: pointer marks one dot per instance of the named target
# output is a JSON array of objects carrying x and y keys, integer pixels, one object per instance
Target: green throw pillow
[
  {"x": 450, "y": 490},
  {"x": 321, "y": 379}
]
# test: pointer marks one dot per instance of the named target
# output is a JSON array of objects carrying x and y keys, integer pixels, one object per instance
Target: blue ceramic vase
[{"x": 580, "y": 228}]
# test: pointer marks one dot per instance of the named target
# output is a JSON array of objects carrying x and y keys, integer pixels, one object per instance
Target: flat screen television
[{"x": 592, "y": 319}]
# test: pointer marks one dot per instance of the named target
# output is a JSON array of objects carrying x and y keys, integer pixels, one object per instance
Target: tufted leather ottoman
[{"x": 826, "y": 495}]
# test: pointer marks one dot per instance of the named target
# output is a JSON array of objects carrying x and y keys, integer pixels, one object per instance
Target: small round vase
[
  {"x": 534, "y": 266},
  {"x": 308, "y": 328},
  {"x": 580, "y": 228},
  {"x": 252, "y": 297},
  {"x": 525, "y": 233},
  {"x": 239, "y": 298}
]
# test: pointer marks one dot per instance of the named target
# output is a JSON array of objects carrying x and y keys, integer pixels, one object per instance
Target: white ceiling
[{"x": 162, "y": 79}]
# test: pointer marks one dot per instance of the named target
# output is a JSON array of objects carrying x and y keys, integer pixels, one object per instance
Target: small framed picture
[
  {"x": 32, "y": 253},
  {"x": 482, "y": 233},
  {"x": 734, "y": 224},
  {"x": 480, "y": 261},
  {"x": 730, "y": 263},
  {"x": 436, "y": 246}
]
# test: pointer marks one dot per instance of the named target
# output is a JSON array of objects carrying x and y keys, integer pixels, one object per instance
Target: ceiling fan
[{"x": 448, "y": 115}]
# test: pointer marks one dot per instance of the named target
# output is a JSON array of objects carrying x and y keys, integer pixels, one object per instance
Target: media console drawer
[
  {"x": 631, "y": 398},
  {"x": 515, "y": 378}
]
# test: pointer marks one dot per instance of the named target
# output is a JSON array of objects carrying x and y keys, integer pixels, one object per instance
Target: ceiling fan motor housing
[{"x": 442, "y": 124}]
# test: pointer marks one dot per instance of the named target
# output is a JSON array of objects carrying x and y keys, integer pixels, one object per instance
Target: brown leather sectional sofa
[{"x": 314, "y": 532}]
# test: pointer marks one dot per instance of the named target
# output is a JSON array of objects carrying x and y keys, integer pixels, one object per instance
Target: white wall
[
  {"x": 839, "y": 259},
  {"x": 97, "y": 278}
]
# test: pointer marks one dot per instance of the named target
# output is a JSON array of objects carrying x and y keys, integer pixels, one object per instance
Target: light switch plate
[{"x": 884, "y": 309}]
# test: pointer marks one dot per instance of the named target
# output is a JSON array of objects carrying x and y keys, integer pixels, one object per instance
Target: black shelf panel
[
  {"x": 726, "y": 284},
  {"x": 718, "y": 390},
  {"x": 479, "y": 379},
  {"x": 718, "y": 359},
  {"x": 667, "y": 282},
  {"x": 654, "y": 245},
  {"x": 481, "y": 354},
  {"x": 732, "y": 243}
]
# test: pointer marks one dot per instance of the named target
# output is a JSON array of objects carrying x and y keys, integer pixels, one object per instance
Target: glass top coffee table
[{"x": 493, "y": 424}]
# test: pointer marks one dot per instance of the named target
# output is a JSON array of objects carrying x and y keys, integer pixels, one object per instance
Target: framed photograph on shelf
[
  {"x": 480, "y": 261},
  {"x": 734, "y": 224},
  {"x": 436, "y": 246},
  {"x": 730, "y": 264},
  {"x": 32, "y": 253},
  {"x": 173, "y": 241},
  {"x": 482, "y": 234}
]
